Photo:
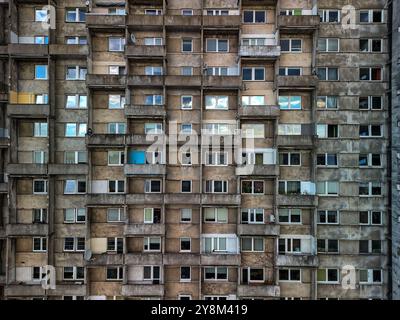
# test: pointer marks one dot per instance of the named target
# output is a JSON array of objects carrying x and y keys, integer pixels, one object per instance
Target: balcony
[
  {"x": 258, "y": 170},
  {"x": 176, "y": 198},
  {"x": 145, "y": 111},
  {"x": 260, "y": 52},
  {"x": 258, "y": 229},
  {"x": 306, "y": 82},
  {"x": 301, "y": 260},
  {"x": 296, "y": 141},
  {"x": 183, "y": 81},
  {"x": 215, "y": 259},
  {"x": 68, "y": 169},
  {"x": 28, "y": 110},
  {"x": 221, "y": 199},
  {"x": 105, "y": 259},
  {"x": 23, "y": 290},
  {"x": 28, "y": 50},
  {"x": 148, "y": 290},
  {"x": 297, "y": 200},
  {"x": 222, "y": 22},
  {"x": 105, "y": 81},
  {"x": 179, "y": 259},
  {"x": 145, "y": 81},
  {"x": 144, "y": 198},
  {"x": 144, "y": 258},
  {"x": 75, "y": 288},
  {"x": 298, "y": 23},
  {"x": 144, "y": 229},
  {"x": 21, "y": 230},
  {"x": 95, "y": 199},
  {"x": 255, "y": 112},
  {"x": 141, "y": 139},
  {"x": 26, "y": 169},
  {"x": 177, "y": 22},
  {"x": 69, "y": 50},
  {"x": 258, "y": 290},
  {"x": 105, "y": 140},
  {"x": 222, "y": 82},
  {"x": 144, "y": 22},
  {"x": 144, "y": 169},
  {"x": 147, "y": 52},
  {"x": 105, "y": 21}
]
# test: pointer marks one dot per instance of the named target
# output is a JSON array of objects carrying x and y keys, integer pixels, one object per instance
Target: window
[
  {"x": 152, "y": 215},
  {"x": 39, "y": 186},
  {"x": 186, "y": 128},
  {"x": 217, "y": 244},
  {"x": 291, "y": 45},
  {"x": 186, "y": 71},
  {"x": 327, "y": 102},
  {"x": 254, "y": 41},
  {"x": 289, "y": 187},
  {"x": 115, "y": 273},
  {"x": 371, "y": 103},
  {"x": 185, "y": 274},
  {"x": 75, "y": 15},
  {"x": 369, "y": 160},
  {"x": 216, "y": 215},
  {"x": 370, "y": 276},
  {"x": 289, "y": 216},
  {"x": 327, "y": 131},
  {"x": 328, "y": 74},
  {"x": 74, "y": 244},
  {"x": 216, "y": 186},
  {"x": 254, "y": 74},
  {"x": 253, "y": 130},
  {"x": 290, "y": 102},
  {"x": 293, "y": 275},
  {"x": 75, "y": 157},
  {"x": 215, "y": 273},
  {"x": 39, "y": 157},
  {"x": 252, "y": 187},
  {"x": 42, "y": 98},
  {"x": 153, "y": 71},
  {"x": 289, "y": 245},
  {"x": 370, "y": 45},
  {"x": 76, "y": 40},
  {"x": 328, "y": 45},
  {"x": 153, "y": 128},
  {"x": 75, "y": 215},
  {"x": 370, "y": 217},
  {"x": 116, "y": 186},
  {"x": 41, "y": 72},
  {"x": 289, "y": 129},
  {"x": 187, "y": 45},
  {"x": 115, "y": 245},
  {"x": 290, "y": 158},
  {"x": 153, "y": 12},
  {"x": 328, "y": 276},
  {"x": 41, "y": 40},
  {"x": 186, "y": 186},
  {"x": 369, "y": 246},
  {"x": 217, "y": 45},
  {"x": 185, "y": 244},
  {"x": 76, "y": 73},
  {"x": 254, "y": 244},
  {"x": 327, "y": 246},
  {"x": 153, "y": 41},
  {"x": 217, "y": 12},
  {"x": 370, "y": 189},
  {"x": 216, "y": 158},
  {"x": 37, "y": 273},
  {"x": 75, "y": 129},
  {"x": 248, "y": 101},
  {"x": 251, "y": 274},
  {"x": 151, "y": 244},
  {"x": 152, "y": 186},
  {"x": 116, "y": 158},
  {"x": 73, "y": 273},
  {"x": 116, "y": 101},
  {"x": 39, "y": 244},
  {"x": 151, "y": 273},
  {"x": 76, "y": 101},
  {"x": 371, "y": 74},
  {"x": 116, "y": 128},
  {"x": 290, "y": 71},
  {"x": 329, "y": 16},
  {"x": 41, "y": 15},
  {"x": 370, "y": 131},
  {"x": 39, "y": 215},
  {"x": 153, "y": 99},
  {"x": 371, "y": 16},
  {"x": 115, "y": 215},
  {"x": 217, "y": 128},
  {"x": 252, "y": 216},
  {"x": 254, "y": 16},
  {"x": 327, "y": 160},
  {"x": 117, "y": 11},
  {"x": 116, "y": 70},
  {"x": 217, "y": 102},
  {"x": 116, "y": 44},
  {"x": 327, "y": 188},
  {"x": 328, "y": 217},
  {"x": 217, "y": 71}
]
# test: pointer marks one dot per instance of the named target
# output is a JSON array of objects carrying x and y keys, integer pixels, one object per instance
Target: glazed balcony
[
  {"x": 144, "y": 169},
  {"x": 255, "y": 112},
  {"x": 145, "y": 111},
  {"x": 105, "y": 80},
  {"x": 147, "y": 52}
]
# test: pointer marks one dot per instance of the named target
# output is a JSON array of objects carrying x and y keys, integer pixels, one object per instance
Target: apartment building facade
[{"x": 119, "y": 132}]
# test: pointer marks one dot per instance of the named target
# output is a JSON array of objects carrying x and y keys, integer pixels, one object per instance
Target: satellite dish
[
  {"x": 133, "y": 38},
  {"x": 88, "y": 254}
]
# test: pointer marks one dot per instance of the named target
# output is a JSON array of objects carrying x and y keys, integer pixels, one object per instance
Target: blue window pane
[
  {"x": 247, "y": 74},
  {"x": 295, "y": 102},
  {"x": 41, "y": 72},
  {"x": 284, "y": 102}
]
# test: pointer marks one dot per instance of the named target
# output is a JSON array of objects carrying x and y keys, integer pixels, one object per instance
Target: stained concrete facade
[{"x": 310, "y": 221}]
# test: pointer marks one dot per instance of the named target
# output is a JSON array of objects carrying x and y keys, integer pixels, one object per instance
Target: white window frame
[
  {"x": 327, "y": 281},
  {"x": 76, "y": 182},
  {"x": 191, "y": 102},
  {"x": 148, "y": 187},
  {"x": 217, "y": 45},
  {"x": 252, "y": 244},
  {"x": 289, "y": 155},
  {"x": 326, "y": 188},
  {"x": 121, "y": 157},
  {"x": 121, "y": 215},
  {"x": 45, "y": 186},
  {"x": 370, "y": 278},
  {"x": 253, "y": 73},
  {"x": 215, "y": 279},
  {"x": 76, "y": 212},
  {"x": 146, "y": 242},
  {"x": 216, "y": 158},
  {"x": 120, "y": 127},
  {"x": 290, "y": 216},
  {"x": 326, "y": 214},
  {"x": 224, "y": 183},
  {"x": 291, "y": 45},
  {"x": 74, "y": 274},
  {"x": 77, "y": 98},
  {"x": 370, "y": 213},
  {"x": 121, "y": 44},
  {"x": 116, "y": 186},
  {"x": 43, "y": 244},
  {"x": 216, "y": 214},
  {"x": 251, "y": 215},
  {"x": 327, "y": 40}
]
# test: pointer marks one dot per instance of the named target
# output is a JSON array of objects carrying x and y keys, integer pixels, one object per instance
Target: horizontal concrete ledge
[
  {"x": 106, "y": 20},
  {"x": 19, "y": 229},
  {"x": 299, "y": 22},
  {"x": 258, "y": 229},
  {"x": 258, "y": 290},
  {"x": 105, "y": 259},
  {"x": 68, "y": 169},
  {"x": 144, "y": 169},
  {"x": 227, "y": 82},
  {"x": 145, "y": 51},
  {"x": 258, "y": 170},
  {"x": 303, "y": 141},
  {"x": 66, "y": 50},
  {"x": 28, "y": 110},
  {"x": 297, "y": 200},
  {"x": 182, "y": 199},
  {"x": 144, "y": 20},
  {"x": 230, "y": 21},
  {"x": 297, "y": 260},
  {"x": 220, "y": 259},
  {"x": 146, "y": 81},
  {"x": 145, "y": 198},
  {"x": 3, "y": 187},
  {"x": 144, "y": 258},
  {"x": 144, "y": 229},
  {"x": 268, "y": 51},
  {"x": 24, "y": 290},
  {"x": 28, "y": 49},
  {"x": 145, "y": 111},
  {"x": 226, "y": 199},
  {"x": 143, "y": 290},
  {"x": 183, "y": 81},
  {"x": 26, "y": 169},
  {"x": 304, "y": 82},
  {"x": 181, "y": 259},
  {"x": 105, "y": 80},
  {"x": 99, "y": 140},
  {"x": 105, "y": 199},
  {"x": 259, "y": 111}
]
